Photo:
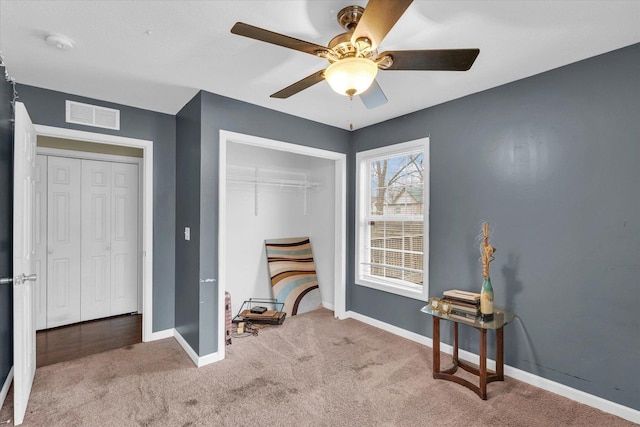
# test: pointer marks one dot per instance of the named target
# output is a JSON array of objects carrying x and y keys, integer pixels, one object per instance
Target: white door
[
  {"x": 124, "y": 238},
  {"x": 63, "y": 241},
  {"x": 24, "y": 332},
  {"x": 96, "y": 240},
  {"x": 109, "y": 239}
]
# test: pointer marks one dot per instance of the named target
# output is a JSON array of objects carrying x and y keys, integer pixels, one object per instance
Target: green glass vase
[{"x": 486, "y": 300}]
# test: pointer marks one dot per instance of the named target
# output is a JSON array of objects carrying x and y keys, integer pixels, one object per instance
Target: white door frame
[
  {"x": 147, "y": 208},
  {"x": 340, "y": 218}
]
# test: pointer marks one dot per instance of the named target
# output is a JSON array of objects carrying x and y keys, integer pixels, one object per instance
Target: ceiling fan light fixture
[{"x": 351, "y": 76}]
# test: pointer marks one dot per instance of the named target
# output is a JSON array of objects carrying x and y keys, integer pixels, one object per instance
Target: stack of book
[{"x": 465, "y": 305}]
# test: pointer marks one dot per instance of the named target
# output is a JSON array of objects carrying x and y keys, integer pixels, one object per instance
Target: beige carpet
[{"x": 312, "y": 370}]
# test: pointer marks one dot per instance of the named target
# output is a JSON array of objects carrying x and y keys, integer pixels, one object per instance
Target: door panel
[
  {"x": 63, "y": 241},
  {"x": 124, "y": 242},
  {"x": 24, "y": 333},
  {"x": 96, "y": 240}
]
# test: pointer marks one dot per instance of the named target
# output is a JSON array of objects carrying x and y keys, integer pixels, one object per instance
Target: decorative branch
[{"x": 487, "y": 250}]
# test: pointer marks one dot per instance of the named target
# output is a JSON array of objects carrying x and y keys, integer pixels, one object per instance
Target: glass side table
[{"x": 500, "y": 319}]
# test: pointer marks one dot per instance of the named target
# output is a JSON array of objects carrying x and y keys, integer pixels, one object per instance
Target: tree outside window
[{"x": 396, "y": 217}]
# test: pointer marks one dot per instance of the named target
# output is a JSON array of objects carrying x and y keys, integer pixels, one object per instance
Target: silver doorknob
[
  {"x": 6, "y": 280},
  {"x": 19, "y": 279}
]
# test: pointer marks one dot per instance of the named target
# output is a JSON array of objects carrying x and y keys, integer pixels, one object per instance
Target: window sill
[{"x": 416, "y": 292}]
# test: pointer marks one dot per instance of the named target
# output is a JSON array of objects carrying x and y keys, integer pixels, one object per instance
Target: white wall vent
[{"x": 92, "y": 115}]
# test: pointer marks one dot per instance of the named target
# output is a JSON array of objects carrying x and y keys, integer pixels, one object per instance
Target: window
[{"x": 392, "y": 218}]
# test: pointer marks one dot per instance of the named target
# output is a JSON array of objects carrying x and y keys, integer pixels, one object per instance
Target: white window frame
[{"x": 363, "y": 180}]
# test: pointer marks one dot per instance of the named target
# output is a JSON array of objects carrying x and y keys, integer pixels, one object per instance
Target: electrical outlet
[{"x": 187, "y": 233}]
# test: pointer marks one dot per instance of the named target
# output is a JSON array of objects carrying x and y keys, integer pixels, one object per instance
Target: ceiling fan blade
[
  {"x": 432, "y": 60},
  {"x": 374, "y": 96},
  {"x": 242, "y": 29},
  {"x": 378, "y": 18},
  {"x": 300, "y": 85}
]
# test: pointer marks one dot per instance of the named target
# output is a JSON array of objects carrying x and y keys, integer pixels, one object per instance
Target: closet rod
[
  {"x": 272, "y": 181},
  {"x": 257, "y": 176}
]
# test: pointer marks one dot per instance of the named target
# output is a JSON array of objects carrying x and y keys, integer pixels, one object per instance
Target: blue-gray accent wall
[
  {"x": 221, "y": 113},
  {"x": 6, "y": 225},
  {"x": 47, "y": 107},
  {"x": 187, "y": 279},
  {"x": 551, "y": 162}
]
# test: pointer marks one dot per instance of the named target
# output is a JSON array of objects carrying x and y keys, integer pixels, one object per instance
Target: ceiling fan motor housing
[
  {"x": 349, "y": 17},
  {"x": 341, "y": 44},
  {"x": 341, "y": 47}
]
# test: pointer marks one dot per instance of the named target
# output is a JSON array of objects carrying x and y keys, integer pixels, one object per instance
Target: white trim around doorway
[
  {"x": 340, "y": 160},
  {"x": 147, "y": 210}
]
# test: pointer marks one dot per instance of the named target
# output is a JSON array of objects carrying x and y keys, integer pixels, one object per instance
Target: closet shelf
[
  {"x": 273, "y": 182},
  {"x": 276, "y": 178}
]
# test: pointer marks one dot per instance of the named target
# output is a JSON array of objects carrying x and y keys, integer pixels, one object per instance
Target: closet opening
[
  {"x": 112, "y": 213},
  {"x": 276, "y": 190}
]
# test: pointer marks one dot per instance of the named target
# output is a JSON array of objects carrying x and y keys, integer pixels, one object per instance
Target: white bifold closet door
[
  {"x": 86, "y": 240},
  {"x": 109, "y": 239},
  {"x": 124, "y": 238}
]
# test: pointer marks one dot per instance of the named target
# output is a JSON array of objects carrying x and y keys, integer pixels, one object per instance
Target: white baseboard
[
  {"x": 209, "y": 359},
  {"x": 327, "y": 306},
  {"x": 526, "y": 377},
  {"x": 199, "y": 361},
  {"x": 621, "y": 411},
  {"x": 421, "y": 339},
  {"x": 5, "y": 386},
  {"x": 160, "y": 335}
]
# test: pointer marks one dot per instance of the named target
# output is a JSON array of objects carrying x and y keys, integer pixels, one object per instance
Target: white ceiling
[{"x": 156, "y": 55}]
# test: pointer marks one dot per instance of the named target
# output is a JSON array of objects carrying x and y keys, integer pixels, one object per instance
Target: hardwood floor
[{"x": 82, "y": 339}]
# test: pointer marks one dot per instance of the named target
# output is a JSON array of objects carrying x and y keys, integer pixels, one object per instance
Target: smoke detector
[{"x": 60, "y": 41}]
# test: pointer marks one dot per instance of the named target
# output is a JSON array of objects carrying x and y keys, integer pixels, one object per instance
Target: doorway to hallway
[{"x": 83, "y": 339}]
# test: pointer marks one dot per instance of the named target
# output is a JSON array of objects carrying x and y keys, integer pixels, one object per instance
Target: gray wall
[
  {"x": 6, "y": 226},
  {"x": 219, "y": 113},
  {"x": 47, "y": 107},
  {"x": 188, "y": 129},
  {"x": 551, "y": 162}
]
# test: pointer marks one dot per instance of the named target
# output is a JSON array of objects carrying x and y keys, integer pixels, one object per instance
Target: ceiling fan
[{"x": 353, "y": 55}]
